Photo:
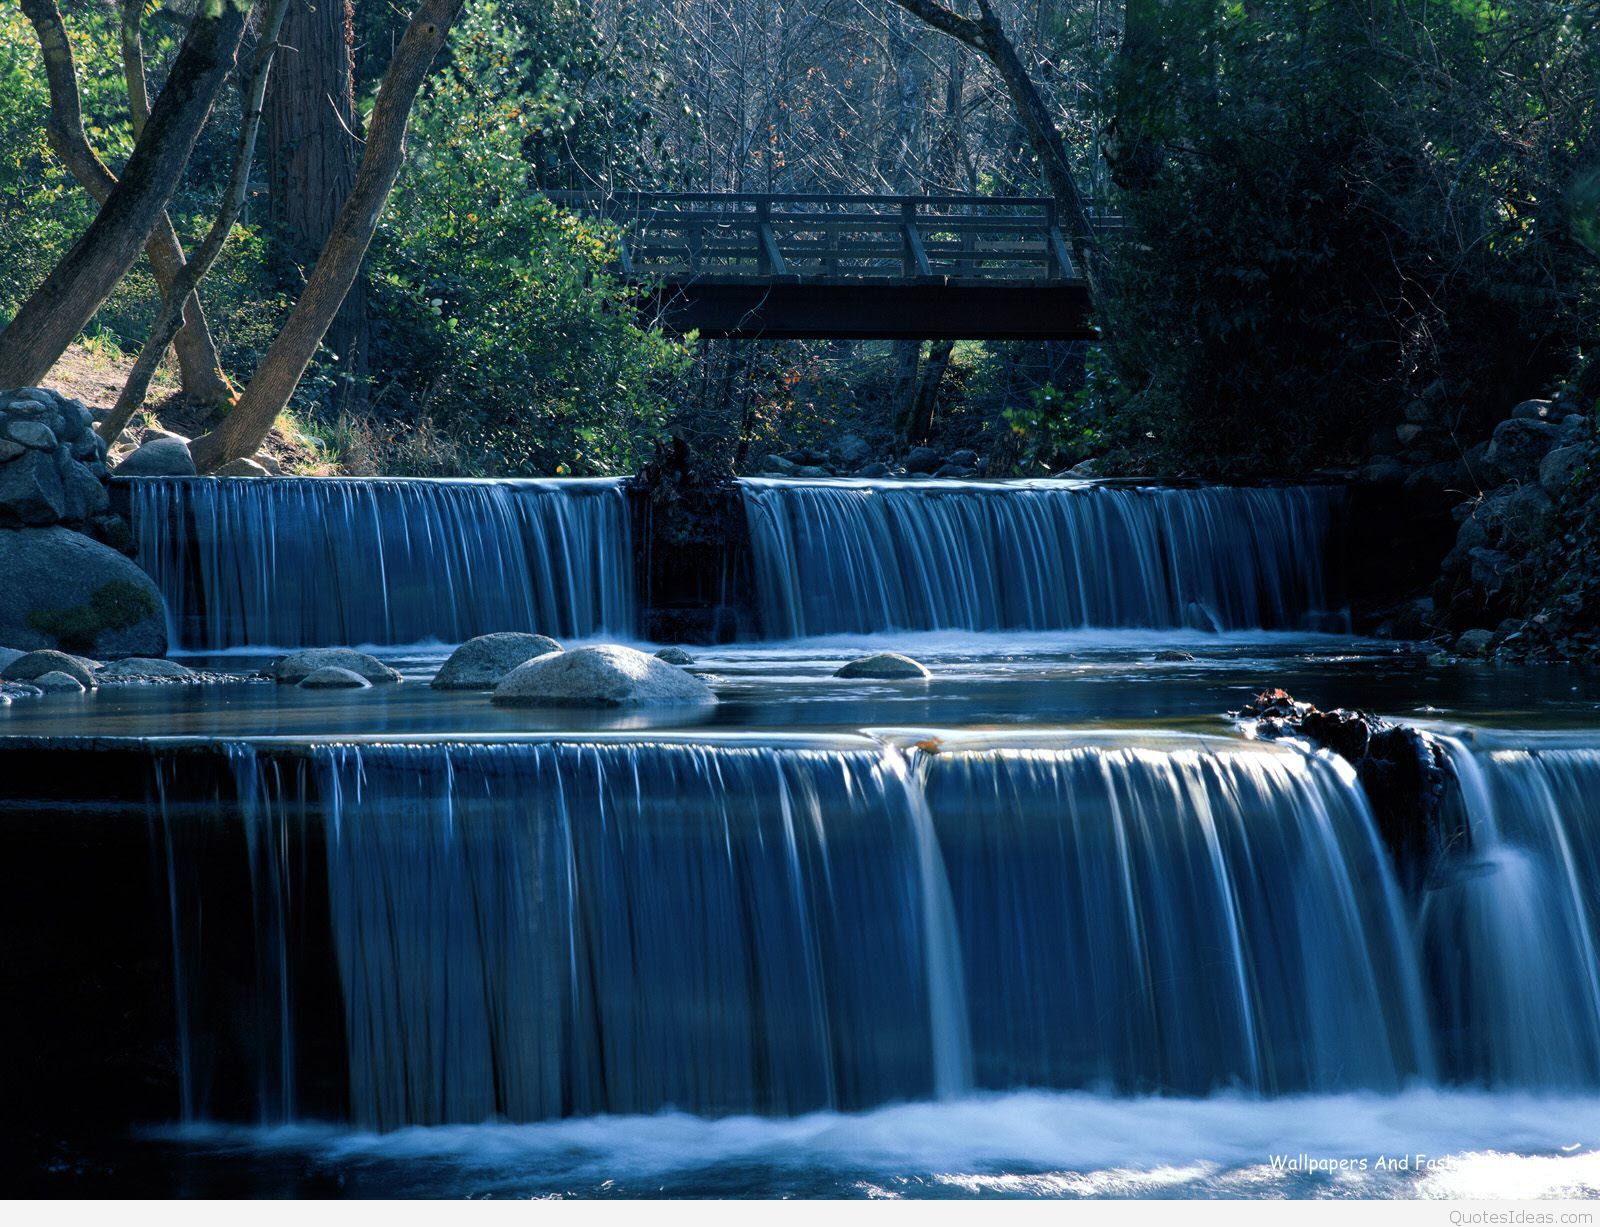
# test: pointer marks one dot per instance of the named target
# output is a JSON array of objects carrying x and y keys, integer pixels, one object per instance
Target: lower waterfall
[
  {"x": 334, "y": 562},
  {"x": 856, "y": 556},
  {"x": 534, "y": 930}
]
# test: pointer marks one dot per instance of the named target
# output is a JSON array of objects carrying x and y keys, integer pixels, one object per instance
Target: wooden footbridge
[{"x": 747, "y": 264}]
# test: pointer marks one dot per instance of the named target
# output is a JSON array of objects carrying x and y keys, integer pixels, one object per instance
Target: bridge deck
[{"x": 821, "y": 266}]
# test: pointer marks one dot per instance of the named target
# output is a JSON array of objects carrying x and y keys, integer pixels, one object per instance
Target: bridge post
[{"x": 915, "y": 261}]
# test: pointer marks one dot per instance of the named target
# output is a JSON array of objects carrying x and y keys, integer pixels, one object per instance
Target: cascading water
[
  {"x": 1510, "y": 924},
  {"x": 525, "y": 931},
  {"x": 324, "y": 561},
  {"x": 860, "y": 556}
]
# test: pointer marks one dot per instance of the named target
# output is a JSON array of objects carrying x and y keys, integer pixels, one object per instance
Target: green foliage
[
  {"x": 113, "y": 606},
  {"x": 1052, "y": 428}
]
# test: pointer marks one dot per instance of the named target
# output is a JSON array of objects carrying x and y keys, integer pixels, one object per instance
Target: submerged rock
[
  {"x": 292, "y": 670},
  {"x": 61, "y": 589},
  {"x": 887, "y": 665},
  {"x": 675, "y": 656},
  {"x": 330, "y": 677},
  {"x": 482, "y": 663},
  {"x": 56, "y": 682},
  {"x": 31, "y": 666},
  {"x": 1173, "y": 654},
  {"x": 604, "y": 676}
]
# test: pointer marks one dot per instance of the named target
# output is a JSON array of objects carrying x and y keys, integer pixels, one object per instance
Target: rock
[
  {"x": 482, "y": 663},
  {"x": 292, "y": 670},
  {"x": 31, "y": 666},
  {"x": 1517, "y": 448},
  {"x": 64, "y": 590},
  {"x": 330, "y": 677},
  {"x": 965, "y": 458},
  {"x": 808, "y": 456},
  {"x": 886, "y": 665},
  {"x": 1419, "y": 411},
  {"x": 1490, "y": 570},
  {"x": 163, "y": 456},
  {"x": 1559, "y": 470},
  {"x": 1383, "y": 473},
  {"x": 1172, "y": 654},
  {"x": 59, "y": 683},
  {"x": 10, "y": 450},
  {"x": 675, "y": 656},
  {"x": 1534, "y": 410},
  {"x": 1474, "y": 643},
  {"x": 241, "y": 467},
  {"x": 31, "y": 494},
  {"x": 267, "y": 463},
  {"x": 812, "y": 470},
  {"x": 780, "y": 465},
  {"x": 1574, "y": 428},
  {"x": 1526, "y": 516},
  {"x": 922, "y": 460},
  {"x": 954, "y": 472},
  {"x": 1084, "y": 470},
  {"x": 1409, "y": 432},
  {"x": 1438, "y": 660},
  {"x": 31, "y": 434},
  {"x": 875, "y": 469},
  {"x": 7, "y": 655},
  {"x": 852, "y": 450},
  {"x": 146, "y": 668},
  {"x": 604, "y": 676}
]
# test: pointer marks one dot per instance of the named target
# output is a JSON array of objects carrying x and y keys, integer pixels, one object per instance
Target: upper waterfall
[
  {"x": 307, "y": 562},
  {"x": 851, "y": 556}
]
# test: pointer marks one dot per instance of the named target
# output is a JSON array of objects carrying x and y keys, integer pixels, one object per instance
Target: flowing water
[{"x": 1043, "y": 926}]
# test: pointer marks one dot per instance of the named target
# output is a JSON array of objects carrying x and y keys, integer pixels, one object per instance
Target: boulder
[
  {"x": 1474, "y": 643},
  {"x": 1534, "y": 411},
  {"x": 813, "y": 470},
  {"x": 954, "y": 472},
  {"x": 1526, "y": 516},
  {"x": 1517, "y": 448},
  {"x": 31, "y": 493},
  {"x": 242, "y": 467},
  {"x": 1560, "y": 469},
  {"x": 1383, "y": 473},
  {"x": 675, "y": 656},
  {"x": 922, "y": 460},
  {"x": 875, "y": 469},
  {"x": 482, "y": 663},
  {"x": 852, "y": 450},
  {"x": 292, "y": 670},
  {"x": 607, "y": 675},
  {"x": 890, "y": 666},
  {"x": 268, "y": 464},
  {"x": 782, "y": 466},
  {"x": 166, "y": 456},
  {"x": 1084, "y": 470},
  {"x": 146, "y": 669},
  {"x": 7, "y": 655},
  {"x": 52, "y": 464},
  {"x": 330, "y": 677},
  {"x": 64, "y": 590},
  {"x": 965, "y": 457},
  {"x": 59, "y": 683},
  {"x": 31, "y": 666},
  {"x": 31, "y": 434},
  {"x": 1574, "y": 428}
]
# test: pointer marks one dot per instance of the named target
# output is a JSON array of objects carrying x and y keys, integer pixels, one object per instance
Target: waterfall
[
  {"x": 858, "y": 556},
  {"x": 530, "y": 930},
  {"x": 1510, "y": 926},
  {"x": 304, "y": 562}
]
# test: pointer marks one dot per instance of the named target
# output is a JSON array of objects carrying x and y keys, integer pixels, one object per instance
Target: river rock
[
  {"x": 1518, "y": 447},
  {"x": 852, "y": 450},
  {"x": 1561, "y": 467},
  {"x": 922, "y": 460},
  {"x": 159, "y": 457},
  {"x": 964, "y": 457},
  {"x": 56, "y": 682},
  {"x": 1574, "y": 428},
  {"x": 1475, "y": 642},
  {"x": 890, "y": 666},
  {"x": 32, "y": 666},
  {"x": 875, "y": 468},
  {"x": 675, "y": 656},
  {"x": 330, "y": 677},
  {"x": 607, "y": 675},
  {"x": 1173, "y": 655},
  {"x": 242, "y": 467},
  {"x": 146, "y": 669},
  {"x": 292, "y": 670},
  {"x": 7, "y": 655},
  {"x": 64, "y": 590},
  {"x": 482, "y": 663},
  {"x": 1535, "y": 410},
  {"x": 31, "y": 492},
  {"x": 778, "y": 466}
]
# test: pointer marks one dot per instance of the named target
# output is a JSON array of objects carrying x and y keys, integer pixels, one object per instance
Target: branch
[
  {"x": 133, "y": 65},
  {"x": 947, "y": 21}
]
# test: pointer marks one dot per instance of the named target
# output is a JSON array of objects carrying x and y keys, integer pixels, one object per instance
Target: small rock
[
  {"x": 1172, "y": 654},
  {"x": 163, "y": 456},
  {"x": 482, "y": 663},
  {"x": 268, "y": 463},
  {"x": 331, "y": 677},
  {"x": 875, "y": 469},
  {"x": 1438, "y": 659},
  {"x": 675, "y": 656},
  {"x": 1534, "y": 410},
  {"x": 241, "y": 467},
  {"x": 852, "y": 450},
  {"x": 1517, "y": 448},
  {"x": 780, "y": 465},
  {"x": 1084, "y": 469},
  {"x": 31, "y": 666},
  {"x": 291, "y": 670},
  {"x": 146, "y": 668},
  {"x": 607, "y": 675},
  {"x": 1383, "y": 473},
  {"x": 1574, "y": 428},
  {"x": 32, "y": 434},
  {"x": 965, "y": 457},
  {"x": 56, "y": 682},
  {"x": 812, "y": 470},
  {"x": 922, "y": 460},
  {"x": 1474, "y": 643},
  {"x": 1560, "y": 469},
  {"x": 954, "y": 472},
  {"x": 887, "y": 665}
]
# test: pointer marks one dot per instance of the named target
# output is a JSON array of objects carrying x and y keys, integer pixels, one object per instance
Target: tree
[
  {"x": 76, "y": 287},
  {"x": 244, "y": 429},
  {"x": 170, "y": 314}
]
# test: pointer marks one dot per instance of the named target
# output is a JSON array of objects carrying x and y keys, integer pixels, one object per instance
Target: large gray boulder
[
  {"x": 160, "y": 457},
  {"x": 61, "y": 589},
  {"x": 1560, "y": 468},
  {"x": 146, "y": 669},
  {"x": 890, "y": 666},
  {"x": 32, "y": 666},
  {"x": 482, "y": 663},
  {"x": 59, "y": 683},
  {"x": 604, "y": 676},
  {"x": 292, "y": 670},
  {"x": 330, "y": 677},
  {"x": 1518, "y": 447}
]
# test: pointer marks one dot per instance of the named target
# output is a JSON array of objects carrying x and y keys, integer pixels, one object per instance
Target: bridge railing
[{"x": 672, "y": 236}]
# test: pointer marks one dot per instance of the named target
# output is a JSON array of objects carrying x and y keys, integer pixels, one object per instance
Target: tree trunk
[
  {"x": 312, "y": 153},
  {"x": 80, "y": 282},
  {"x": 243, "y": 430},
  {"x": 926, "y": 399}
]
